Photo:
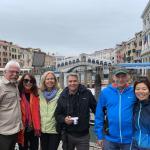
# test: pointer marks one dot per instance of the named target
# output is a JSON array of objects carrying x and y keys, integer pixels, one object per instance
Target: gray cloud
[{"x": 70, "y": 26}]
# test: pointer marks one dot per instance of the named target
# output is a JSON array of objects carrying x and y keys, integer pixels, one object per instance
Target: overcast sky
[{"x": 70, "y": 27}]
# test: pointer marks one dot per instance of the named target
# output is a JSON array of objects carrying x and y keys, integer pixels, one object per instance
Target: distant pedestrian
[
  {"x": 141, "y": 136},
  {"x": 117, "y": 100},
  {"x": 73, "y": 114},
  {"x": 28, "y": 137},
  {"x": 49, "y": 94},
  {"x": 10, "y": 114}
]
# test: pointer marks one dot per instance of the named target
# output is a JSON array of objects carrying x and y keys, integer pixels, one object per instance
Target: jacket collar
[
  {"x": 144, "y": 102},
  {"x": 5, "y": 81},
  {"x": 116, "y": 89}
]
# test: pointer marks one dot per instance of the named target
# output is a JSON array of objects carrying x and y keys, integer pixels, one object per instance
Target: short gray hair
[
  {"x": 10, "y": 63},
  {"x": 74, "y": 75}
]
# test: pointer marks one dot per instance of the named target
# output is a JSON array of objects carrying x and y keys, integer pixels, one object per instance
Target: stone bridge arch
[{"x": 70, "y": 68}]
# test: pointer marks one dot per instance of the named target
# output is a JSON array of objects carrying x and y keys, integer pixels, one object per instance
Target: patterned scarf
[
  {"x": 28, "y": 121},
  {"x": 49, "y": 95}
]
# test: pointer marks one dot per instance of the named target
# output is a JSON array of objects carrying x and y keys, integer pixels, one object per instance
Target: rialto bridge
[{"x": 85, "y": 66}]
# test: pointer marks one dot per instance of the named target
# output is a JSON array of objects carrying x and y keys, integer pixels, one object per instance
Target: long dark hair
[
  {"x": 144, "y": 80},
  {"x": 34, "y": 88}
]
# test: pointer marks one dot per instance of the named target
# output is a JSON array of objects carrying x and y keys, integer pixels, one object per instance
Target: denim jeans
[
  {"x": 115, "y": 146},
  {"x": 134, "y": 146}
]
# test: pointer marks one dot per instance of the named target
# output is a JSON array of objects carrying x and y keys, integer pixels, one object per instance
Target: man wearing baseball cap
[{"x": 118, "y": 99}]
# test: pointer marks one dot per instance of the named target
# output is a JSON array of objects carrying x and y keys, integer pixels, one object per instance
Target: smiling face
[
  {"x": 121, "y": 80},
  {"x": 27, "y": 82},
  {"x": 12, "y": 73},
  {"x": 50, "y": 81},
  {"x": 141, "y": 91},
  {"x": 73, "y": 84}
]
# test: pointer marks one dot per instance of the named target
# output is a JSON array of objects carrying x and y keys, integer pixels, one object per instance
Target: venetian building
[
  {"x": 130, "y": 50},
  {"x": 26, "y": 58},
  {"x": 120, "y": 52},
  {"x": 15, "y": 52},
  {"x": 138, "y": 47},
  {"x": 105, "y": 54},
  {"x": 50, "y": 61},
  {"x": 5, "y": 52},
  {"x": 145, "y": 53}
]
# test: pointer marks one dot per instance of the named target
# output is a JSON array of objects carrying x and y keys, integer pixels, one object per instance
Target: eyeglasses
[
  {"x": 12, "y": 72},
  {"x": 27, "y": 81}
]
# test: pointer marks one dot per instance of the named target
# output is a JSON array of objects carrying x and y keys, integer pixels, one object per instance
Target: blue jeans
[
  {"x": 115, "y": 146},
  {"x": 134, "y": 146}
]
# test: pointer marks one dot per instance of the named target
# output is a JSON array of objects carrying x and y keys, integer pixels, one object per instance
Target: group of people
[
  {"x": 29, "y": 112},
  {"x": 26, "y": 111}
]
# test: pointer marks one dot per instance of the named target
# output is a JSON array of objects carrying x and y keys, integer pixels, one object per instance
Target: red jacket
[{"x": 35, "y": 115}]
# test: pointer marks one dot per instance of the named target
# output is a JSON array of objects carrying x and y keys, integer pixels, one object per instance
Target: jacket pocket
[{"x": 143, "y": 140}]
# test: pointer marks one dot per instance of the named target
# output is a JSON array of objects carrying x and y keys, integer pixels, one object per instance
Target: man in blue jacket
[{"x": 118, "y": 100}]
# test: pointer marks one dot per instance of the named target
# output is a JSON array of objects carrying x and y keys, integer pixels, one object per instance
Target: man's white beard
[{"x": 13, "y": 81}]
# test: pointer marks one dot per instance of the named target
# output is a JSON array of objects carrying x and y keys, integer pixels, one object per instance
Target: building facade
[
  {"x": 120, "y": 52},
  {"x": 130, "y": 51},
  {"x": 146, "y": 34},
  {"x": 50, "y": 61},
  {"x": 105, "y": 54},
  {"x": 145, "y": 53},
  {"x": 138, "y": 47},
  {"x": 5, "y": 52}
]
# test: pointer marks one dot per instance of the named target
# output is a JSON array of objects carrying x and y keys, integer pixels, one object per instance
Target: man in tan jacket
[{"x": 10, "y": 114}]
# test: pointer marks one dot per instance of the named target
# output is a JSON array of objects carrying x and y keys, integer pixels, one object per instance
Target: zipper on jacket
[
  {"x": 120, "y": 93},
  {"x": 120, "y": 117},
  {"x": 46, "y": 115},
  {"x": 139, "y": 115}
]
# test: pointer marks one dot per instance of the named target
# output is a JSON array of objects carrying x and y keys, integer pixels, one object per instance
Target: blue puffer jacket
[
  {"x": 142, "y": 124},
  {"x": 119, "y": 106}
]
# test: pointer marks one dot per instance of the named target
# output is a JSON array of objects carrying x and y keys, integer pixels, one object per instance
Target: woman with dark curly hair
[
  {"x": 141, "y": 136},
  {"x": 28, "y": 137}
]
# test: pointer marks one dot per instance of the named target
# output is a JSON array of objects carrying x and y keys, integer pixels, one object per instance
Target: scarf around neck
[
  {"x": 28, "y": 117},
  {"x": 49, "y": 95}
]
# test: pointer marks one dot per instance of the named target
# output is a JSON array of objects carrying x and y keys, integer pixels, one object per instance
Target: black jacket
[
  {"x": 142, "y": 123},
  {"x": 77, "y": 105}
]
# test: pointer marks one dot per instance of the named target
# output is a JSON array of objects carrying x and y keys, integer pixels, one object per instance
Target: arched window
[
  {"x": 73, "y": 61},
  {"x": 109, "y": 64},
  {"x": 89, "y": 60},
  {"x": 97, "y": 62},
  {"x": 93, "y": 61},
  {"x": 77, "y": 60},
  {"x": 70, "y": 62},
  {"x": 66, "y": 63},
  {"x": 105, "y": 63},
  {"x": 62, "y": 64},
  {"x": 58, "y": 65}
]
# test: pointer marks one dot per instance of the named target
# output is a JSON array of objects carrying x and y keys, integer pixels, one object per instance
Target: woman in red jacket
[{"x": 28, "y": 137}]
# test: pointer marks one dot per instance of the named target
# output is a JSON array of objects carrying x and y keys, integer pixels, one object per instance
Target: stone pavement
[{"x": 93, "y": 146}]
